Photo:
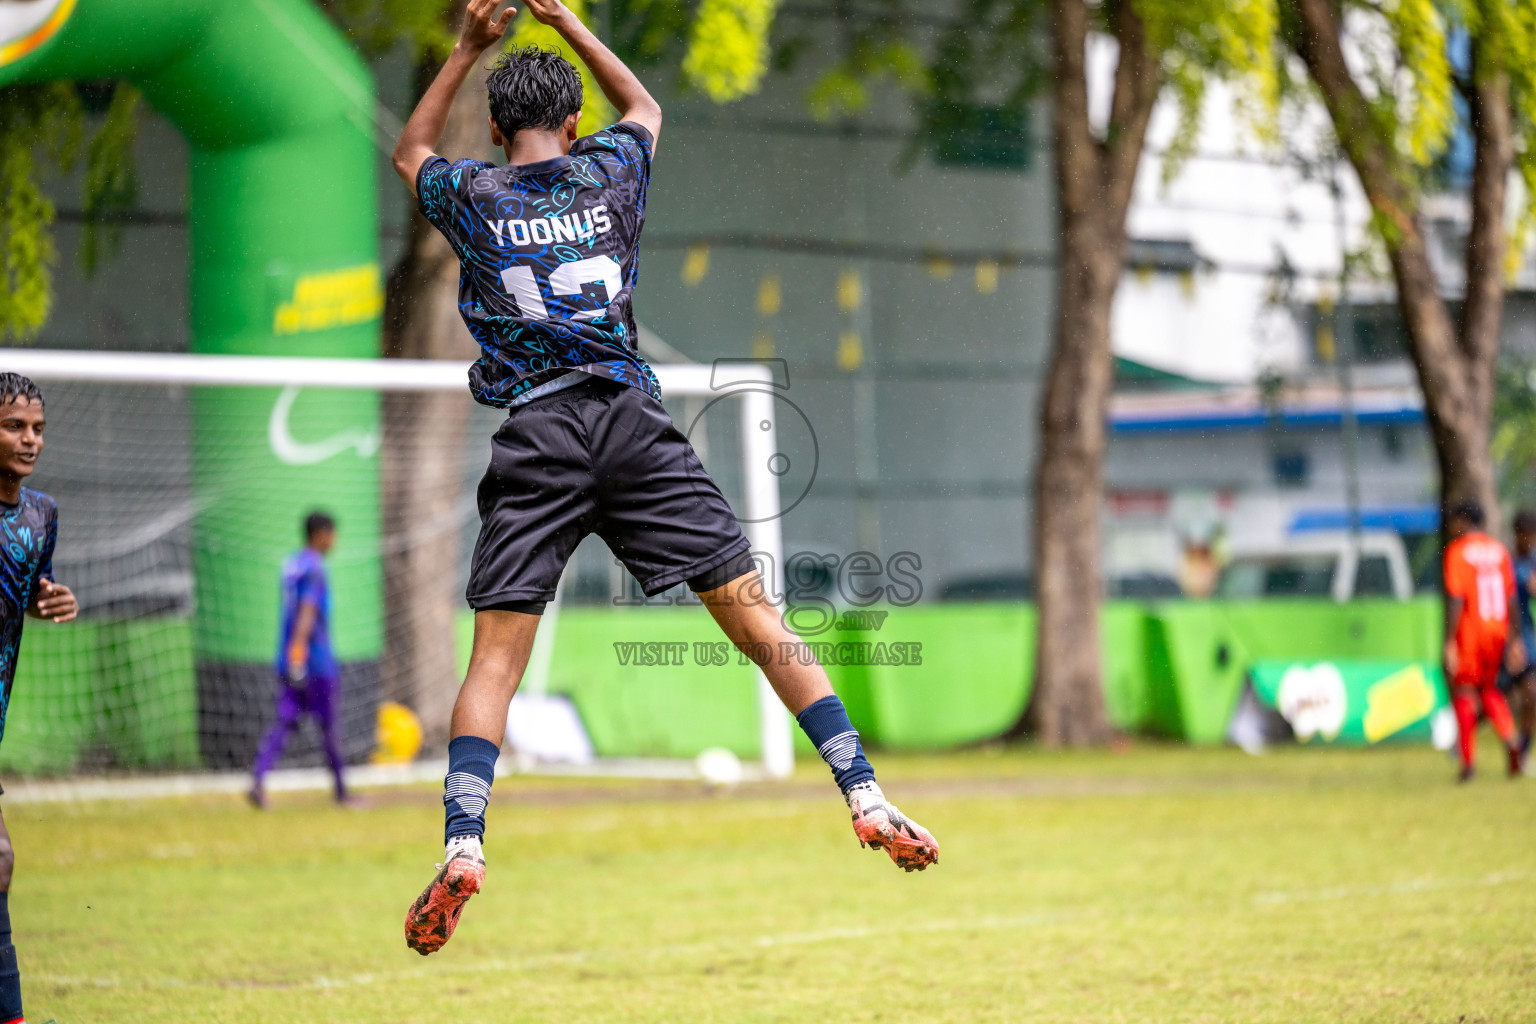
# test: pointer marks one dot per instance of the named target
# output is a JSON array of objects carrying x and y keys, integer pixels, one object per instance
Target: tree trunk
[
  {"x": 1494, "y": 157},
  {"x": 1069, "y": 489},
  {"x": 424, "y": 435},
  {"x": 1455, "y": 364},
  {"x": 1094, "y": 180}
]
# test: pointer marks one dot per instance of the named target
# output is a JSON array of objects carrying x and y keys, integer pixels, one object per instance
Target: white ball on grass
[{"x": 718, "y": 767}]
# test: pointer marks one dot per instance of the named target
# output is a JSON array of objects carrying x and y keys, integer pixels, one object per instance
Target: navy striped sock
[
  {"x": 467, "y": 789},
  {"x": 837, "y": 741},
  {"x": 10, "y": 974}
]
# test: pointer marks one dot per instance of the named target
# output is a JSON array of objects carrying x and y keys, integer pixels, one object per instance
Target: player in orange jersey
[{"x": 1479, "y": 588}]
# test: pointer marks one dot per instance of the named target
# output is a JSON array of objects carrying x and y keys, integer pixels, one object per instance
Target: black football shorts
[{"x": 599, "y": 458}]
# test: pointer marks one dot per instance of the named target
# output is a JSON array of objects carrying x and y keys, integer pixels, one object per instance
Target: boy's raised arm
[
  {"x": 482, "y": 30},
  {"x": 618, "y": 83}
]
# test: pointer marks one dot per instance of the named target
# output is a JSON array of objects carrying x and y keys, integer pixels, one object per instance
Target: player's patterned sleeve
[
  {"x": 626, "y": 151},
  {"x": 635, "y": 141},
  {"x": 441, "y": 191},
  {"x": 45, "y": 556}
]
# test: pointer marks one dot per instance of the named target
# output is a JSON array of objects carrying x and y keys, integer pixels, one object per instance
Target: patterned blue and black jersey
[
  {"x": 549, "y": 254},
  {"x": 28, "y": 530}
]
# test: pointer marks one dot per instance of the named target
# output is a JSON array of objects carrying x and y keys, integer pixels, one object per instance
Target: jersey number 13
[{"x": 566, "y": 279}]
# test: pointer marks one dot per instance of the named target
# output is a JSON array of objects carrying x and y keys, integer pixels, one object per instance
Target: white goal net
[{"x": 182, "y": 482}]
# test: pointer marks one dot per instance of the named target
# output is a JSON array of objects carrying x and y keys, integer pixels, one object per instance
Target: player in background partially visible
[
  {"x": 308, "y": 674},
  {"x": 1522, "y": 679},
  {"x": 549, "y": 246},
  {"x": 29, "y": 523},
  {"x": 1479, "y": 586}
]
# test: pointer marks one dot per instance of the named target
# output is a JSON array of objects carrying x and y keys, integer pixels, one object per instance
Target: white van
[{"x": 1322, "y": 564}]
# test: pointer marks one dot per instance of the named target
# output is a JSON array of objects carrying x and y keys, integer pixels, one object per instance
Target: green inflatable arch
[{"x": 277, "y": 110}]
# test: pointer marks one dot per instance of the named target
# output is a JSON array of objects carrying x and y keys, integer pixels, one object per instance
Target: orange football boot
[
  {"x": 431, "y": 920},
  {"x": 880, "y": 826}
]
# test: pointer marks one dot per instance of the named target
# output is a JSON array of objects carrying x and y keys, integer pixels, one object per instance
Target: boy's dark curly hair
[
  {"x": 317, "y": 521},
  {"x": 1469, "y": 509},
  {"x": 14, "y": 386},
  {"x": 532, "y": 87}
]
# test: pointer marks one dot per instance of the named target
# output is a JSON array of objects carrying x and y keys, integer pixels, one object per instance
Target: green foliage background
[{"x": 45, "y": 127}]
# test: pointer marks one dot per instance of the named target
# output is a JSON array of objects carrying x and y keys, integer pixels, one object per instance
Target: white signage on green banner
[{"x": 1357, "y": 702}]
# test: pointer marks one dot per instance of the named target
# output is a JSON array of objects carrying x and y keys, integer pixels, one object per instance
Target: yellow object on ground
[{"x": 399, "y": 734}]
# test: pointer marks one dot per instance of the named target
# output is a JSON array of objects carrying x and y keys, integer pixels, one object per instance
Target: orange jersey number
[{"x": 1492, "y": 603}]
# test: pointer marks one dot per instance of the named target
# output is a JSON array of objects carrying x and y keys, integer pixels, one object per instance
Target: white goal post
[{"x": 750, "y": 384}]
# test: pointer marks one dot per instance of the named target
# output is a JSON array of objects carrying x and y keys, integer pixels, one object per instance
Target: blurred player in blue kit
[
  {"x": 548, "y": 245},
  {"x": 308, "y": 674},
  {"x": 29, "y": 523}
]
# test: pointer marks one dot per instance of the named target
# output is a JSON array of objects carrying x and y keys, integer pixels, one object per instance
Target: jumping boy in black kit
[{"x": 548, "y": 245}]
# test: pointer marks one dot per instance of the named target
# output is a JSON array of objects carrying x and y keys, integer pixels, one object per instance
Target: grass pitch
[{"x": 1154, "y": 885}]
